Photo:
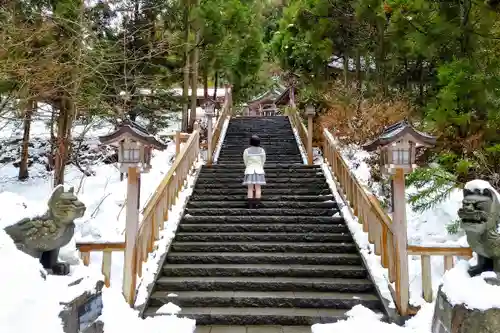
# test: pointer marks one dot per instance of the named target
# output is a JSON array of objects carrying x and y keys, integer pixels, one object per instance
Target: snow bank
[
  {"x": 361, "y": 319},
  {"x": 118, "y": 317},
  {"x": 31, "y": 303},
  {"x": 15, "y": 207},
  {"x": 475, "y": 292},
  {"x": 28, "y": 302},
  {"x": 481, "y": 185}
]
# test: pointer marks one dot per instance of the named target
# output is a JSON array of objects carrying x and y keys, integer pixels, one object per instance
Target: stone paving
[{"x": 252, "y": 329}]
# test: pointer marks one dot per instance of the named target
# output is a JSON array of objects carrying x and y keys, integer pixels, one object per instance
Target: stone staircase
[{"x": 290, "y": 262}]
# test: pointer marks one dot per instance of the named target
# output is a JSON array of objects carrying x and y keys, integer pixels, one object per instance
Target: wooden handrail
[
  {"x": 298, "y": 124},
  {"x": 107, "y": 250},
  {"x": 156, "y": 211},
  {"x": 382, "y": 232},
  {"x": 219, "y": 124}
]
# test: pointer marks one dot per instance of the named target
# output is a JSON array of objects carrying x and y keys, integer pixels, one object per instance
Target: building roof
[
  {"x": 394, "y": 132},
  {"x": 267, "y": 97},
  {"x": 132, "y": 130},
  {"x": 283, "y": 98}
]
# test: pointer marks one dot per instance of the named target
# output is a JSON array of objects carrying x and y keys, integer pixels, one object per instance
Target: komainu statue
[
  {"x": 480, "y": 219},
  {"x": 43, "y": 236}
]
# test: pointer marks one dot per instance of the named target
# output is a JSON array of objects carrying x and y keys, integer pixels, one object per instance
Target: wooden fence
[{"x": 382, "y": 233}]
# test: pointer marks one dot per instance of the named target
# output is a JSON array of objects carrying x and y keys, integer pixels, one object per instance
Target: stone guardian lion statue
[
  {"x": 480, "y": 218},
  {"x": 43, "y": 236}
]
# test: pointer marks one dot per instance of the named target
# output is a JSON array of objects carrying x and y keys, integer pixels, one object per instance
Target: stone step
[
  {"x": 283, "y": 150},
  {"x": 261, "y": 227},
  {"x": 273, "y": 157},
  {"x": 261, "y": 247},
  {"x": 211, "y": 172},
  {"x": 264, "y": 204},
  {"x": 264, "y": 284},
  {"x": 270, "y": 160},
  {"x": 265, "y": 191},
  {"x": 237, "y": 166},
  {"x": 245, "y": 135},
  {"x": 262, "y": 237},
  {"x": 257, "y": 316},
  {"x": 269, "y": 270},
  {"x": 318, "y": 184},
  {"x": 289, "y": 145},
  {"x": 264, "y": 142},
  {"x": 264, "y": 258},
  {"x": 244, "y": 213},
  {"x": 269, "y": 180},
  {"x": 267, "y": 198},
  {"x": 265, "y": 219},
  {"x": 236, "y": 154},
  {"x": 270, "y": 299}
]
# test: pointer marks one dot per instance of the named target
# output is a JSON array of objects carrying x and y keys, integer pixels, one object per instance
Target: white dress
[{"x": 254, "y": 158}]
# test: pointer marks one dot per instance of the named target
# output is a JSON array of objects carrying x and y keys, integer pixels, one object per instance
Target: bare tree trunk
[
  {"x": 345, "y": 59},
  {"x": 185, "y": 89},
  {"x": 359, "y": 79},
  {"x": 23, "y": 166},
  {"x": 194, "y": 80},
  {"x": 67, "y": 109},
  {"x": 63, "y": 141},
  {"x": 51, "y": 159},
  {"x": 216, "y": 85},
  {"x": 205, "y": 82}
]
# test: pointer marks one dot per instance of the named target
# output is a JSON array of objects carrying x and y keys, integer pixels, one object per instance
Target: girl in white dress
[{"x": 254, "y": 158}]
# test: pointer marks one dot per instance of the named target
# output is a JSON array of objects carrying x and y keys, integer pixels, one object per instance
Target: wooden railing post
[
  {"x": 177, "y": 142},
  {"x": 401, "y": 242},
  {"x": 209, "y": 139},
  {"x": 131, "y": 228}
]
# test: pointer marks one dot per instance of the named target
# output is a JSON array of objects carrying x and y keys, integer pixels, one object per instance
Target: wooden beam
[
  {"x": 90, "y": 247},
  {"x": 439, "y": 251}
]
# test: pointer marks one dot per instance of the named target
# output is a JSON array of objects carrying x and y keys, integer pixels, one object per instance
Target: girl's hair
[{"x": 255, "y": 141}]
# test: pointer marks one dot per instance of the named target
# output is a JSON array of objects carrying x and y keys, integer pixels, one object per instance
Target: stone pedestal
[
  {"x": 458, "y": 319},
  {"x": 80, "y": 314}
]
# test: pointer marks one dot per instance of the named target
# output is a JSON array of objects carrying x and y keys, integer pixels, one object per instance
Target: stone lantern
[
  {"x": 310, "y": 112},
  {"x": 397, "y": 145},
  {"x": 246, "y": 110},
  {"x": 134, "y": 145}
]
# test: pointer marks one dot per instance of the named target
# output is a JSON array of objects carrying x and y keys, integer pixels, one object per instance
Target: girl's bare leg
[
  {"x": 250, "y": 192},
  {"x": 258, "y": 191}
]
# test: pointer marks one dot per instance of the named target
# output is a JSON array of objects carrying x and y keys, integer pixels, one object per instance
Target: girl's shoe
[
  {"x": 250, "y": 203},
  {"x": 257, "y": 203}
]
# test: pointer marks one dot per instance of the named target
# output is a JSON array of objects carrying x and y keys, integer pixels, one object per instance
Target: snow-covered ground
[{"x": 31, "y": 303}]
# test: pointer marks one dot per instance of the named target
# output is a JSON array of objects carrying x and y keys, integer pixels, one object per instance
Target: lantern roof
[
  {"x": 129, "y": 129},
  {"x": 394, "y": 133}
]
